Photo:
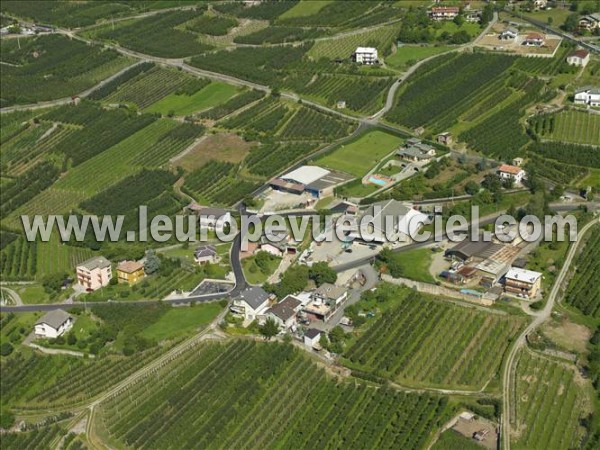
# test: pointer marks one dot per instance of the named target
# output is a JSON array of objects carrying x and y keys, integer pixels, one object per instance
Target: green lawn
[
  {"x": 410, "y": 54},
  {"x": 415, "y": 264},
  {"x": 182, "y": 105},
  {"x": 452, "y": 440},
  {"x": 558, "y": 16},
  {"x": 357, "y": 189},
  {"x": 358, "y": 157},
  {"x": 253, "y": 273},
  {"x": 305, "y": 8},
  {"x": 593, "y": 179},
  {"x": 472, "y": 28},
  {"x": 181, "y": 321},
  {"x": 31, "y": 293}
]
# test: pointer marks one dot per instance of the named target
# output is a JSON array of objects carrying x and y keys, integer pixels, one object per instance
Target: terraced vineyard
[
  {"x": 343, "y": 47},
  {"x": 549, "y": 404},
  {"x": 247, "y": 394},
  {"x": 151, "y": 86},
  {"x": 150, "y": 147},
  {"x": 74, "y": 67},
  {"x": 584, "y": 288},
  {"x": 310, "y": 124},
  {"x": 218, "y": 182},
  {"x": 37, "y": 382},
  {"x": 426, "y": 341},
  {"x": 577, "y": 127},
  {"x": 361, "y": 94},
  {"x": 454, "y": 85}
]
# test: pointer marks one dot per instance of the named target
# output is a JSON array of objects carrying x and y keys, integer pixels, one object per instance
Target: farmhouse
[
  {"x": 444, "y": 138},
  {"x": 587, "y": 96},
  {"x": 316, "y": 181},
  {"x": 579, "y": 57},
  {"x": 473, "y": 16},
  {"x": 534, "y": 40},
  {"x": 402, "y": 219},
  {"x": 312, "y": 337},
  {"x": 590, "y": 22},
  {"x": 365, "y": 55},
  {"x": 416, "y": 151},
  {"x": 522, "y": 282},
  {"x": 444, "y": 12},
  {"x": 206, "y": 254},
  {"x": 252, "y": 302},
  {"x": 94, "y": 273},
  {"x": 509, "y": 34},
  {"x": 130, "y": 272},
  {"x": 53, "y": 324},
  {"x": 508, "y": 172},
  {"x": 284, "y": 313}
]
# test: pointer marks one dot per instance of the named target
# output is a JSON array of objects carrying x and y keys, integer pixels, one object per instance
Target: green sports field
[
  {"x": 358, "y": 157},
  {"x": 214, "y": 94}
]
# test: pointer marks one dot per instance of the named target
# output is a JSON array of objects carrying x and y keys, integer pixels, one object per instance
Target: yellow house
[{"x": 130, "y": 272}]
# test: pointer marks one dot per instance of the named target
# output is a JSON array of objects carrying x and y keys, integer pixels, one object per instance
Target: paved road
[{"x": 539, "y": 319}]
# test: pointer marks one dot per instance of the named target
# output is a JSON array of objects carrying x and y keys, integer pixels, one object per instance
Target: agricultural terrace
[
  {"x": 584, "y": 288},
  {"x": 227, "y": 147},
  {"x": 157, "y": 84},
  {"x": 359, "y": 156},
  {"x": 549, "y": 401},
  {"x": 258, "y": 395},
  {"x": 425, "y": 341},
  {"x": 72, "y": 14},
  {"x": 343, "y": 47},
  {"x": 363, "y": 94},
  {"x": 305, "y": 8},
  {"x": 574, "y": 126},
  {"x": 159, "y": 35},
  {"x": 36, "y": 382},
  {"x": 151, "y": 147},
  {"x": 51, "y": 67},
  {"x": 214, "y": 94}
]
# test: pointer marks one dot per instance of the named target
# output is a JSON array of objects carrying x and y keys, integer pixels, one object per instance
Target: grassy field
[
  {"x": 410, "y": 54},
  {"x": 549, "y": 404},
  {"x": 415, "y": 264},
  {"x": 305, "y": 8},
  {"x": 182, "y": 105},
  {"x": 593, "y": 179},
  {"x": 427, "y": 341},
  {"x": 358, "y": 157},
  {"x": 451, "y": 440},
  {"x": 558, "y": 15},
  {"x": 344, "y": 47},
  {"x": 577, "y": 127},
  {"x": 31, "y": 293},
  {"x": 227, "y": 147},
  {"x": 253, "y": 273},
  {"x": 180, "y": 321}
]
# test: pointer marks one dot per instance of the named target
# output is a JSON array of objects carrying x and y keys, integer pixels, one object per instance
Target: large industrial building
[{"x": 314, "y": 180}]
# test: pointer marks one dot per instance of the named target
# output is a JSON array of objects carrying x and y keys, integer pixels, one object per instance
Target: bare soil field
[{"x": 221, "y": 147}]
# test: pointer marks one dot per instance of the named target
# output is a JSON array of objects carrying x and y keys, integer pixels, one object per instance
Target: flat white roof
[
  {"x": 306, "y": 174},
  {"x": 528, "y": 276},
  {"x": 366, "y": 50}
]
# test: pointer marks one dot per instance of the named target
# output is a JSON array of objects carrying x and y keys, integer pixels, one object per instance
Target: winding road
[{"x": 539, "y": 319}]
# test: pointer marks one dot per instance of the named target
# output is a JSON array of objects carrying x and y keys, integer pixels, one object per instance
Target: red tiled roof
[
  {"x": 532, "y": 36},
  {"x": 581, "y": 53},
  {"x": 509, "y": 169},
  {"x": 130, "y": 266}
]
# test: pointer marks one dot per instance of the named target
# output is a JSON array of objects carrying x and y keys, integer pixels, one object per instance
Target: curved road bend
[{"x": 539, "y": 319}]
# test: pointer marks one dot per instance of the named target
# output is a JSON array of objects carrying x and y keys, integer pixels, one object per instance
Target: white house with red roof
[
  {"x": 579, "y": 57},
  {"x": 444, "y": 12},
  {"x": 508, "y": 172},
  {"x": 534, "y": 40}
]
